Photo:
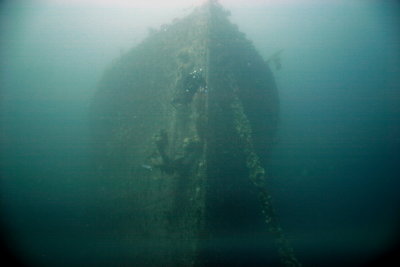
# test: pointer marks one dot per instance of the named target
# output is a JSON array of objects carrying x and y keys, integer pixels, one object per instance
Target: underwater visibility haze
[{"x": 92, "y": 174}]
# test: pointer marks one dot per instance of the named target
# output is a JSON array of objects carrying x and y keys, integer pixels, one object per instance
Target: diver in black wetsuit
[{"x": 190, "y": 85}]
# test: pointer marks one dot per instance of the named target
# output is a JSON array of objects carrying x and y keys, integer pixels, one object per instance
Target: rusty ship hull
[{"x": 182, "y": 126}]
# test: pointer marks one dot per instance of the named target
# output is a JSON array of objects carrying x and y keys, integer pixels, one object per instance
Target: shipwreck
[{"x": 185, "y": 121}]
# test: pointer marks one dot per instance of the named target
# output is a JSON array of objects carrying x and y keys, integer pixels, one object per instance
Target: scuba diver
[{"x": 191, "y": 83}]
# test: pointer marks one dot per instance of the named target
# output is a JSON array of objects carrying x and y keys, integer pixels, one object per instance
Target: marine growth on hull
[{"x": 184, "y": 122}]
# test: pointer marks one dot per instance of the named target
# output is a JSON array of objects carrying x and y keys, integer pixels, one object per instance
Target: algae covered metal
[{"x": 185, "y": 122}]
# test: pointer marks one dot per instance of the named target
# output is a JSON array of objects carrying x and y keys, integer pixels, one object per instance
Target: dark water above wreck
[{"x": 333, "y": 170}]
